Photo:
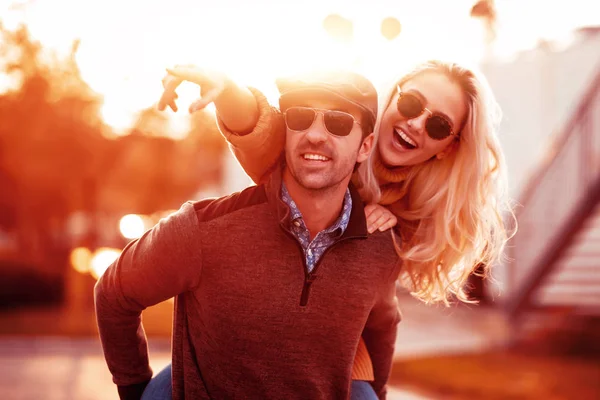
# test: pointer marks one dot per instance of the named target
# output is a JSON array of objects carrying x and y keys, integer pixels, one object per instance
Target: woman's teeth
[{"x": 405, "y": 141}]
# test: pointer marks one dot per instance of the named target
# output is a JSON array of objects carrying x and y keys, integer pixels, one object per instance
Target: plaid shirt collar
[{"x": 340, "y": 225}]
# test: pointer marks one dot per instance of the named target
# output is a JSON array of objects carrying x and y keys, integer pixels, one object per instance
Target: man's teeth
[
  {"x": 317, "y": 157},
  {"x": 405, "y": 136}
]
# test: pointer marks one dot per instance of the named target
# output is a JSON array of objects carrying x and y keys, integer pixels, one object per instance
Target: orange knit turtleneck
[{"x": 390, "y": 181}]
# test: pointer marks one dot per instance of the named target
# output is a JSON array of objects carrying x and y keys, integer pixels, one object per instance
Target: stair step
[
  {"x": 575, "y": 281},
  {"x": 570, "y": 283},
  {"x": 582, "y": 263}
]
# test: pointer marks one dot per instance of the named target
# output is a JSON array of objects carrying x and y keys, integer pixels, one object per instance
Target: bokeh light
[
  {"x": 390, "y": 28},
  {"x": 131, "y": 226},
  {"x": 102, "y": 259},
  {"x": 81, "y": 258}
]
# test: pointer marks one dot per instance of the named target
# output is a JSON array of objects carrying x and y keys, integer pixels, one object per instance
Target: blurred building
[
  {"x": 539, "y": 91},
  {"x": 550, "y": 97}
]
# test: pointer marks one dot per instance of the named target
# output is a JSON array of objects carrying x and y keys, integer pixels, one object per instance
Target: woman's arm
[
  {"x": 261, "y": 150},
  {"x": 254, "y": 129},
  {"x": 235, "y": 105}
]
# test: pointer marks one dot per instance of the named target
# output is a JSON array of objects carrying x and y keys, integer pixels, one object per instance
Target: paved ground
[
  {"x": 74, "y": 369},
  {"x": 57, "y": 368}
]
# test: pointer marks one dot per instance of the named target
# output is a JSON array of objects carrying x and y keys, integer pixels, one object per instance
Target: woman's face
[{"x": 405, "y": 142}]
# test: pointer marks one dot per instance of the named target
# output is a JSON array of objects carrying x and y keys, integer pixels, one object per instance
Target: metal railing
[{"x": 556, "y": 201}]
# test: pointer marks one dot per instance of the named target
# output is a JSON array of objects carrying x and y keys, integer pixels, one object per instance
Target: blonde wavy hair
[{"x": 451, "y": 219}]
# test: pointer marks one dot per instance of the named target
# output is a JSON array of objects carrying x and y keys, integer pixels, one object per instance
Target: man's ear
[
  {"x": 449, "y": 149},
  {"x": 365, "y": 148}
]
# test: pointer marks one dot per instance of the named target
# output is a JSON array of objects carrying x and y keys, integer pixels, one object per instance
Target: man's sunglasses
[
  {"x": 337, "y": 123},
  {"x": 410, "y": 106}
]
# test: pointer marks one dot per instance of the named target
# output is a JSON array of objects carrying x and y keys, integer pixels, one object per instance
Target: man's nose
[{"x": 317, "y": 132}]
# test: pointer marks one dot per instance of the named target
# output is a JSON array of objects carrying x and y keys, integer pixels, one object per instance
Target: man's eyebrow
[
  {"x": 424, "y": 100},
  {"x": 342, "y": 109}
]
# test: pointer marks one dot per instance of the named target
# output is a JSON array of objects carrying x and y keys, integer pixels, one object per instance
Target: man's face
[{"x": 319, "y": 160}]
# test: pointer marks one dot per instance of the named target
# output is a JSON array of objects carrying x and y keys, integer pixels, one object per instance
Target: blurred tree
[
  {"x": 56, "y": 157},
  {"x": 59, "y": 159},
  {"x": 209, "y": 146},
  {"x": 8, "y": 198},
  {"x": 148, "y": 171},
  {"x": 52, "y": 141}
]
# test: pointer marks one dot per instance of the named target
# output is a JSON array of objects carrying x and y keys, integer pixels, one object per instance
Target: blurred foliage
[{"x": 58, "y": 157}]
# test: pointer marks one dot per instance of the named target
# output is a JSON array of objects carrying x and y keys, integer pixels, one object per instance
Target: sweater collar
[
  {"x": 357, "y": 225},
  {"x": 385, "y": 174}
]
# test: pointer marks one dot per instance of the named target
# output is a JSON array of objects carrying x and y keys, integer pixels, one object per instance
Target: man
[{"x": 274, "y": 285}]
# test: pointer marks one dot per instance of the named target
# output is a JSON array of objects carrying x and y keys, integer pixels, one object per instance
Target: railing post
[
  {"x": 551, "y": 213},
  {"x": 586, "y": 149}
]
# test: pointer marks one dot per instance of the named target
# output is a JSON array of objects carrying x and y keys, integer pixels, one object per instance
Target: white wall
[{"x": 538, "y": 92}]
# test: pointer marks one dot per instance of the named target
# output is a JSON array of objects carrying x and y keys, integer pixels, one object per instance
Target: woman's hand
[
  {"x": 379, "y": 217},
  {"x": 212, "y": 85}
]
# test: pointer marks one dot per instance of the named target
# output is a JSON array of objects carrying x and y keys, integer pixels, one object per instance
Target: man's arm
[
  {"x": 163, "y": 263},
  {"x": 380, "y": 337}
]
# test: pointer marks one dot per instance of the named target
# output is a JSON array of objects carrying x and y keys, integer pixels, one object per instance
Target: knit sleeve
[
  {"x": 259, "y": 151},
  {"x": 161, "y": 264},
  {"x": 380, "y": 337}
]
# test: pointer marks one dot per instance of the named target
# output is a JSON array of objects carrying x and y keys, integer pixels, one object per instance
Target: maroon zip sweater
[{"x": 249, "y": 321}]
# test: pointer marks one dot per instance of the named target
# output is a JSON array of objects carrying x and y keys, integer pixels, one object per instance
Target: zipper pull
[{"x": 306, "y": 289}]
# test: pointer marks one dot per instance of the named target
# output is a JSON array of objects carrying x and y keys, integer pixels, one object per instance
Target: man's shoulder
[
  {"x": 210, "y": 209},
  {"x": 380, "y": 248},
  {"x": 383, "y": 240}
]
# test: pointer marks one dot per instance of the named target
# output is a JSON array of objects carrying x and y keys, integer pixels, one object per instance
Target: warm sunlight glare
[
  {"x": 81, "y": 258},
  {"x": 126, "y": 46},
  {"x": 179, "y": 126},
  {"x": 117, "y": 117},
  {"x": 102, "y": 259},
  {"x": 132, "y": 226},
  {"x": 211, "y": 108}
]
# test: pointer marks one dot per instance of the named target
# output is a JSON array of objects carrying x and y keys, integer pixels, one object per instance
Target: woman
[{"x": 437, "y": 165}]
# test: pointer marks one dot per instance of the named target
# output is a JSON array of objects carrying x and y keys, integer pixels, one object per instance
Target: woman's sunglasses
[
  {"x": 410, "y": 106},
  {"x": 337, "y": 123}
]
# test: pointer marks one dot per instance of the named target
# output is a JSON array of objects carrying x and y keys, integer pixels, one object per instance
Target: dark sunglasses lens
[
  {"x": 437, "y": 127},
  {"x": 338, "y": 123},
  {"x": 409, "y": 106},
  {"x": 299, "y": 118}
]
